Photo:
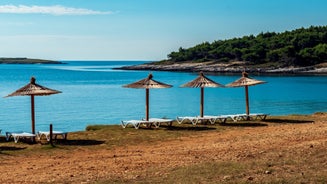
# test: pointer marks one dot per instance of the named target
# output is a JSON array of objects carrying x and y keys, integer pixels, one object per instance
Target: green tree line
[{"x": 300, "y": 47}]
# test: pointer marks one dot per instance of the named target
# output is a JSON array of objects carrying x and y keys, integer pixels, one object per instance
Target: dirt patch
[{"x": 88, "y": 164}]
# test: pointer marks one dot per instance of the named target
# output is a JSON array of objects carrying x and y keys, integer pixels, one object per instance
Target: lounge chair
[
  {"x": 253, "y": 116},
  {"x": 233, "y": 117},
  {"x": 46, "y": 134},
  {"x": 19, "y": 135},
  {"x": 214, "y": 119},
  {"x": 183, "y": 119},
  {"x": 159, "y": 121},
  {"x": 198, "y": 119},
  {"x": 137, "y": 123}
]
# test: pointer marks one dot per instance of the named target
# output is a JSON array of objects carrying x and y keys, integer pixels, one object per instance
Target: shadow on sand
[
  {"x": 9, "y": 148},
  {"x": 243, "y": 124},
  {"x": 188, "y": 128},
  {"x": 82, "y": 142},
  {"x": 287, "y": 121}
]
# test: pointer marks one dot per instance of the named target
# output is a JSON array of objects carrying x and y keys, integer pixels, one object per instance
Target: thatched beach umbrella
[
  {"x": 146, "y": 84},
  {"x": 201, "y": 82},
  {"x": 32, "y": 89},
  {"x": 245, "y": 81}
]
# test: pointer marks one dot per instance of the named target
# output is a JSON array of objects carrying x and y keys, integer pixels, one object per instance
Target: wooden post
[
  {"x": 247, "y": 102},
  {"x": 33, "y": 114},
  {"x": 202, "y": 101},
  {"x": 147, "y": 104},
  {"x": 51, "y": 143}
]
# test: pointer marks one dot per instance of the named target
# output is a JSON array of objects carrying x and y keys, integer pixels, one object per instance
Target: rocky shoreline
[{"x": 226, "y": 68}]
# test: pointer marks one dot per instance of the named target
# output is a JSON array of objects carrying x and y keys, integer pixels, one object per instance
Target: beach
[
  {"x": 163, "y": 92},
  {"x": 287, "y": 149}
]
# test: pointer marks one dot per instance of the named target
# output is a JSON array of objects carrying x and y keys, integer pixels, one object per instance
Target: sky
[{"x": 141, "y": 30}]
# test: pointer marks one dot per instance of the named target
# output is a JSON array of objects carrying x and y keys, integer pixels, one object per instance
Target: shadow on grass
[
  {"x": 189, "y": 128},
  {"x": 247, "y": 124},
  {"x": 287, "y": 121},
  {"x": 82, "y": 142}
]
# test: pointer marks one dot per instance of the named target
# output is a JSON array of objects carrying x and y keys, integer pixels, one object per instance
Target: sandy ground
[{"x": 85, "y": 165}]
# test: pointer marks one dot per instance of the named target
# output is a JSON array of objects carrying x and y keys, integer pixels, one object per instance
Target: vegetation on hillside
[{"x": 300, "y": 47}]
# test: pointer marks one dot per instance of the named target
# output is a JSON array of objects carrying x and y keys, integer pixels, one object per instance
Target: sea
[{"x": 92, "y": 94}]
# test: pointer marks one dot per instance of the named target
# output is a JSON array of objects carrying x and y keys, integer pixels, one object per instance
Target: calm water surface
[{"x": 93, "y": 94}]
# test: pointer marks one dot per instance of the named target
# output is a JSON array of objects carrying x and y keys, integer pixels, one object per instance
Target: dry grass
[{"x": 285, "y": 149}]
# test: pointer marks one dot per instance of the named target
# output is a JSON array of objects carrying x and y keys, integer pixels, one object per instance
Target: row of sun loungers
[
  {"x": 25, "y": 135},
  {"x": 156, "y": 122},
  {"x": 221, "y": 119}
]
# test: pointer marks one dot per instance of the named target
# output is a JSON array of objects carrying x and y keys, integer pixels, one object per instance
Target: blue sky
[{"x": 140, "y": 29}]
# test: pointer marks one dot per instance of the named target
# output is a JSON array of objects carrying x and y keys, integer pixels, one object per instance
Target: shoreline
[{"x": 226, "y": 68}]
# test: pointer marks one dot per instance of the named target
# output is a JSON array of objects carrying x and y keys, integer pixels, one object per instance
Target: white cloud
[{"x": 52, "y": 10}]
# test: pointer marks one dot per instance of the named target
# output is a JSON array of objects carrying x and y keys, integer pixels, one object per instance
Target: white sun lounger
[
  {"x": 159, "y": 121},
  {"x": 183, "y": 119},
  {"x": 152, "y": 121},
  {"x": 214, "y": 119},
  {"x": 137, "y": 123},
  {"x": 233, "y": 117},
  {"x": 18, "y": 135},
  {"x": 54, "y": 134},
  {"x": 253, "y": 116},
  {"x": 197, "y": 119}
]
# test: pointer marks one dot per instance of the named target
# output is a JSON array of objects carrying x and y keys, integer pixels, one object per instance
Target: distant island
[
  {"x": 302, "y": 50},
  {"x": 27, "y": 61}
]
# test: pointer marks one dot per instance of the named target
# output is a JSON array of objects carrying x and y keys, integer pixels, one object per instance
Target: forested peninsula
[
  {"x": 27, "y": 61},
  {"x": 302, "y": 50}
]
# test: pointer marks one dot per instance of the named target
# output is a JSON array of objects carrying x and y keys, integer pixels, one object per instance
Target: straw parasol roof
[
  {"x": 201, "y": 82},
  {"x": 245, "y": 81},
  {"x": 147, "y": 84},
  {"x": 32, "y": 89}
]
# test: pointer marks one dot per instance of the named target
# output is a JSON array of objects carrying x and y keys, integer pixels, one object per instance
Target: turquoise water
[{"x": 93, "y": 94}]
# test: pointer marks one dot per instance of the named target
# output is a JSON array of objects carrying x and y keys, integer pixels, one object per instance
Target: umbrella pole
[
  {"x": 33, "y": 114},
  {"x": 247, "y": 102},
  {"x": 202, "y": 101},
  {"x": 147, "y": 104}
]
